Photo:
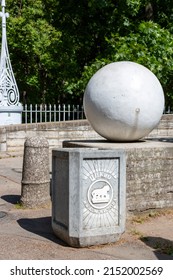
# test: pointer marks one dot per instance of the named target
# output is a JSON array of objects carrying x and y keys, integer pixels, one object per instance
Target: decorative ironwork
[{"x": 9, "y": 93}]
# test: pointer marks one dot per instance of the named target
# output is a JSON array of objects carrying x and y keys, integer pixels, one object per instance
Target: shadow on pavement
[
  {"x": 42, "y": 227},
  {"x": 13, "y": 199},
  {"x": 163, "y": 248}
]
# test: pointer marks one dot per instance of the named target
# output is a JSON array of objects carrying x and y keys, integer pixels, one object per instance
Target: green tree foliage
[
  {"x": 34, "y": 46},
  {"x": 56, "y": 46},
  {"x": 140, "y": 39}
]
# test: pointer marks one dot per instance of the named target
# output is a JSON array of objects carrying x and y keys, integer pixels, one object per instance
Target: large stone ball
[{"x": 123, "y": 101}]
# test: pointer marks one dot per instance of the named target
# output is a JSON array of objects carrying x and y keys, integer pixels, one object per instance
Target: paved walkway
[{"x": 27, "y": 234}]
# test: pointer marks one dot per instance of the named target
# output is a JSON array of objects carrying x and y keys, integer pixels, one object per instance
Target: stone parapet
[{"x": 12, "y": 137}]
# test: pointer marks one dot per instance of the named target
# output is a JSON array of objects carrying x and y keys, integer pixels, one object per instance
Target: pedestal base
[{"x": 11, "y": 115}]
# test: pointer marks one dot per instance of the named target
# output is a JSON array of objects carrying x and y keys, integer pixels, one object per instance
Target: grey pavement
[{"x": 27, "y": 233}]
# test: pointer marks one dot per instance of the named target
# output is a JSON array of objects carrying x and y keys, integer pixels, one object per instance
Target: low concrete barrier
[{"x": 12, "y": 137}]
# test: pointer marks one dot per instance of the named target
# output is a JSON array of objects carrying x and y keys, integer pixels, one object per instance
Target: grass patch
[
  {"x": 140, "y": 218},
  {"x": 137, "y": 233},
  {"x": 19, "y": 205}
]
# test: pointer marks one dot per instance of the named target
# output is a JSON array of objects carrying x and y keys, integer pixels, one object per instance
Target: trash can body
[{"x": 88, "y": 195}]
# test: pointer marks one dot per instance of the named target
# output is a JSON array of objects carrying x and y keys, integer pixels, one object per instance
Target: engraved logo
[{"x": 100, "y": 194}]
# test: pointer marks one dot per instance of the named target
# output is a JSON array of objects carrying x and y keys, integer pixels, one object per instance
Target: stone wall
[
  {"x": 149, "y": 178},
  {"x": 165, "y": 127},
  {"x": 12, "y": 137}
]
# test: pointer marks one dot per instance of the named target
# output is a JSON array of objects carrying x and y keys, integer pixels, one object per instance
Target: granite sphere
[{"x": 123, "y": 101}]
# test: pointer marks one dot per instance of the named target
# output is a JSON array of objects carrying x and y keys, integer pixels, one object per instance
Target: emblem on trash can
[{"x": 100, "y": 194}]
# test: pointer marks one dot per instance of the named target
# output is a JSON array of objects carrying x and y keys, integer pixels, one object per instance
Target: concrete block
[{"x": 88, "y": 195}]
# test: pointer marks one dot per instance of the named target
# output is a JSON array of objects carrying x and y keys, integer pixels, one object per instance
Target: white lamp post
[{"x": 10, "y": 107}]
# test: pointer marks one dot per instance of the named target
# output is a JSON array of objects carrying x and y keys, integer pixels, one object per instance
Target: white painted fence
[
  {"x": 168, "y": 110},
  {"x": 51, "y": 113}
]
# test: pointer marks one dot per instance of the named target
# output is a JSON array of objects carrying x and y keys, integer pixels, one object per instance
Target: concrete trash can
[{"x": 88, "y": 195}]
